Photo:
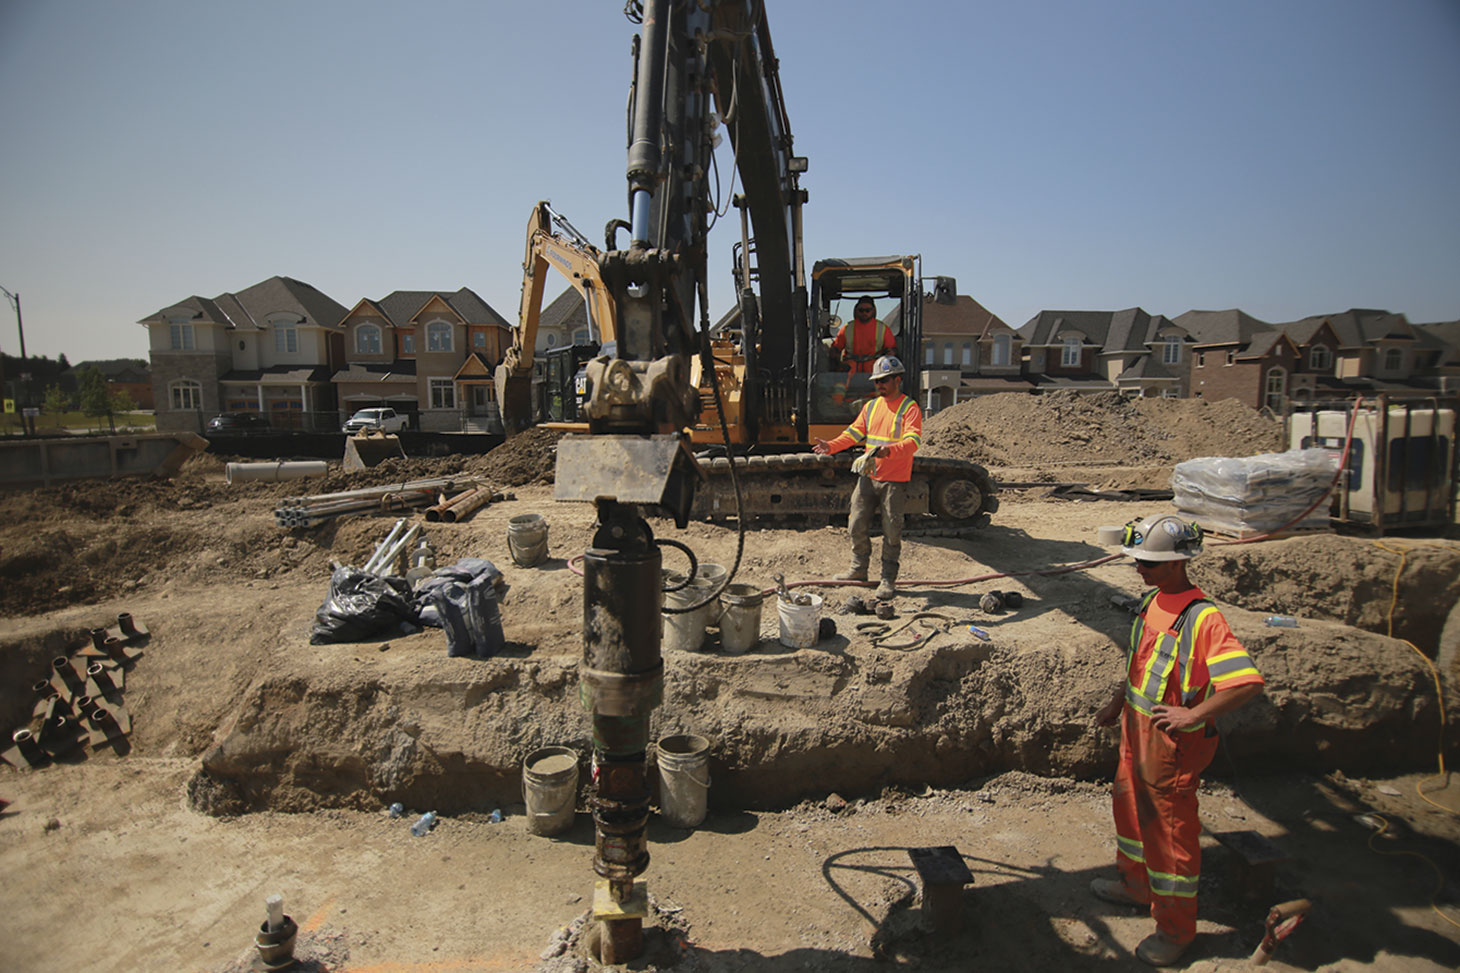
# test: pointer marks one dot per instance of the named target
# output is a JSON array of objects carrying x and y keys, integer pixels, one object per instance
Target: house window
[
  {"x": 1070, "y": 356},
  {"x": 479, "y": 340},
  {"x": 182, "y": 337},
  {"x": 967, "y": 355},
  {"x": 1277, "y": 387},
  {"x": 408, "y": 343},
  {"x": 1171, "y": 353},
  {"x": 580, "y": 337},
  {"x": 443, "y": 393},
  {"x": 1201, "y": 359},
  {"x": 286, "y": 339},
  {"x": 187, "y": 396},
  {"x": 1003, "y": 348},
  {"x": 1393, "y": 360},
  {"x": 1231, "y": 356},
  {"x": 367, "y": 339},
  {"x": 931, "y": 354},
  {"x": 1319, "y": 358},
  {"x": 948, "y": 354},
  {"x": 438, "y": 336}
]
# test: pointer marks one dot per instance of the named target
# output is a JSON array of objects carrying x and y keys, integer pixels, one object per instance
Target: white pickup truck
[{"x": 384, "y": 420}]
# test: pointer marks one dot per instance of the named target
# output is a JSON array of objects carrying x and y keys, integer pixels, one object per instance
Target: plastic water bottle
[
  {"x": 424, "y": 824},
  {"x": 1281, "y": 621},
  {"x": 495, "y": 816},
  {"x": 397, "y": 809}
]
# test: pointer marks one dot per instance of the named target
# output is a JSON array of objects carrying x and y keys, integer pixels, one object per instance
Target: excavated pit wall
[{"x": 787, "y": 725}]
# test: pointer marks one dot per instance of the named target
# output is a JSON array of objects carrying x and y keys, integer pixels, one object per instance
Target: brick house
[
  {"x": 967, "y": 351},
  {"x": 427, "y": 354},
  {"x": 269, "y": 348},
  {"x": 1128, "y": 351}
]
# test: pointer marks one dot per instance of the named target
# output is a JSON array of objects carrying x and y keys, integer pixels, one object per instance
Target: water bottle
[
  {"x": 496, "y": 816},
  {"x": 424, "y": 824},
  {"x": 1281, "y": 621},
  {"x": 397, "y": 809}
]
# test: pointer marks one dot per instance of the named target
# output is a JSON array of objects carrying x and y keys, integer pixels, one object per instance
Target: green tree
[
  {"x": 56, "y": 401},
  {"x": 92, "y": 391}
]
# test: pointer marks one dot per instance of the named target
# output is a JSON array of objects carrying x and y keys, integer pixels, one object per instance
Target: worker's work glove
[{"x": 864, "y": 464}]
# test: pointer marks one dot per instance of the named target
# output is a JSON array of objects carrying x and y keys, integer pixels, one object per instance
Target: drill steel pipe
[
  {"x": 382, "y": 565},
  {"x": 394, "y": 532},
  {"x": 474, "y": 501},
  {"x": 439, "y": 483},
  {"x": 437, "y": 512}
]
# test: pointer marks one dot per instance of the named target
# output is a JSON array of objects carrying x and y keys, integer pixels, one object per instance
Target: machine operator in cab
[{"x": 863, "y": 339}]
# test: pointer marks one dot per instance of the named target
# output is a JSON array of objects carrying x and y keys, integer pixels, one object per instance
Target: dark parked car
[{"x": 239, "y": 424}]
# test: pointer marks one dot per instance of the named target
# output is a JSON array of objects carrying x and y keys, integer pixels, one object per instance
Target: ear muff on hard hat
[
  {"x": 1162, "y": 538},
  {"x": 886, "y": 366}
]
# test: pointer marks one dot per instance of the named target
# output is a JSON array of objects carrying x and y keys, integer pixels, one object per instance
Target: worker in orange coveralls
[
  {"x": 889, "y": 429},
  {"x": 868, "y": 338},
  {"x": 1183, "y": 668}
]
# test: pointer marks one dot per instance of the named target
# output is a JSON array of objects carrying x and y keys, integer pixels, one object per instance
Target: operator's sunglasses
[
  {"x": 885, "y": 378},
  {"x": 864, "y": 307}
]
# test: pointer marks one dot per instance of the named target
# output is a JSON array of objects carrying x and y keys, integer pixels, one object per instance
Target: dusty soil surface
[{"x": 259, "y": 763}]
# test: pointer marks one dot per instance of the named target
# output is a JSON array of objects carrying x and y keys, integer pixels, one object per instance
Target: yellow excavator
[{"x": 764, "y": 379}]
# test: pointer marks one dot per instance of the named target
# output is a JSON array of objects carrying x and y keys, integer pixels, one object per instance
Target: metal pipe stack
[{"x": 309, "y": 511}]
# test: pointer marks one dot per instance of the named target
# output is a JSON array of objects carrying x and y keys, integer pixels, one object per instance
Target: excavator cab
[{"x": 837, "y": 388}]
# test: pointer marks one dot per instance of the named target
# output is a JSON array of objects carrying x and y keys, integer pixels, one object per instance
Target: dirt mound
[
  {"x": 528, "y": 457},
  {"x": 1067, "y": 428}
]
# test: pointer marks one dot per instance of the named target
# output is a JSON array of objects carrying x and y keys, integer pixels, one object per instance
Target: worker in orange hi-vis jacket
[
  {"x": 861, "y": 340},
  {"x": 890, "y": 430},
  {"x": 1183, "y": 668}
]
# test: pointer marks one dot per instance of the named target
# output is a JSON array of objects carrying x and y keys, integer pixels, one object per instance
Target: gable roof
[
  {"x": 1230, "y": 327},
  {"x": 1358, "y": 326},
  {"x": 963, "y": 316},
  {"x": 566, "y": 311},
  {"x": 251, "y": 307},
  {"x": 401, "y": 307}
]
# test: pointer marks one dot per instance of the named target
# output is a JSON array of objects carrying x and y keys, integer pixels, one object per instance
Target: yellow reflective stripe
[
  {"x": 1188, "y": 640},
  {"x": 1130, "y": 848},
  {"x": 856, "y": 434},
  {"x": 1137, "y": 702}
]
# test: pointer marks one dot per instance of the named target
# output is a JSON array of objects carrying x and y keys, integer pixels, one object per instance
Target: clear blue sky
[{"x": 1288, "y": 157}]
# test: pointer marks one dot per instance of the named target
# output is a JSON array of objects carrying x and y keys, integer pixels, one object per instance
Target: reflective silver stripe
[
  {"x": 1139, "y": 703},
  {"x": 1131, "y": 848},
  {"x": 1176, "y": 885},
  {"x": 1227, "y": 667}
]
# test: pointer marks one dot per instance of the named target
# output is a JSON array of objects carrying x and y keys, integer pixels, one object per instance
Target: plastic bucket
[
  {"x": 740, "y": 606},
  {"x": 686, "y": 631},
  {"x": 527, "y": 536},
  {"x": 799, "y": 623},
  {"x": 550, "y": 789},
  {"x": 684, "y": 779}
]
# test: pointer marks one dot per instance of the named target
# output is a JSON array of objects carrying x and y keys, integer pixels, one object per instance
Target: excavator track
[{"x": 946, "y": 497}]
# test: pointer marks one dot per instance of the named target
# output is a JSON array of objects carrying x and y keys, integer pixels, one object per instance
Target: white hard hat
[
  {"x": 1161, "y": 538},
  {"x": 886, "y": 367}
]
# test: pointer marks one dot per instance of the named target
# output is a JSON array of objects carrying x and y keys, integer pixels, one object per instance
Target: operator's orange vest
[{"x": 865, "y": 344}]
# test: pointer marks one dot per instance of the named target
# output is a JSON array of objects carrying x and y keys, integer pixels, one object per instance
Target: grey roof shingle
[{"x": 1230, "y": 327}]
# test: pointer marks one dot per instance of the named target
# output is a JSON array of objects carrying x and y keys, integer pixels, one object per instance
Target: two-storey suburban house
[
  {"x": 269, "y": 348},
  {"x": 1128, "y": 351}
]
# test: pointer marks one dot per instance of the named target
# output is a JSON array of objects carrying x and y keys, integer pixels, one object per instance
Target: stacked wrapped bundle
[{"x": 1255, "y": 494}]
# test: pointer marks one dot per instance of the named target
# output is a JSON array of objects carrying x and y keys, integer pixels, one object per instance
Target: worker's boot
[
  {"x": 1113, "y": 890},
  {"x": 853, "y": 573},
  {"x": 1157, "y": 950},
  {"x": 887, "y": 590}
]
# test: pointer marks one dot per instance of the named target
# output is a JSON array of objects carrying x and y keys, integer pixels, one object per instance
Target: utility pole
[{"x": 26, "y": 422}]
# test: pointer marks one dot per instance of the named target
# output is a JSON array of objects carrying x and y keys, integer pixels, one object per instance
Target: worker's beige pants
[{"x": 889, "y": 498}]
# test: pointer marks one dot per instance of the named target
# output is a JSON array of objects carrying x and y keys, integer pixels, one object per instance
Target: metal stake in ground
[{"x": 622, "y": 683}]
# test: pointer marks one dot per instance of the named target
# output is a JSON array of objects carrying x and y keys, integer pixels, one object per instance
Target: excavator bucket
[{"x": 366, "y": 449}]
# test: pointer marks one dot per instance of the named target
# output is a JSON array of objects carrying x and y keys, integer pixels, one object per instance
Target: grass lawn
[{"x": 75, "y": 422}]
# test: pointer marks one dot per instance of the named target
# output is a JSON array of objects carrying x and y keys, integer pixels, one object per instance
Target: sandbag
[{"x": 463, "y": 599}]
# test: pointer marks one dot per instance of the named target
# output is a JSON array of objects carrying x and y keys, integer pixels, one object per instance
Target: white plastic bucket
[
  {"x": 684, "y": 779},
  {"x": 714, "y": 573},
  {"x": 740, "y": 607},
  {"x": 799, "y": 623},
  {"x": 527, "y": 536},
  {"x": 550, "y": 789},
  {"x": 685, "y": 631}
]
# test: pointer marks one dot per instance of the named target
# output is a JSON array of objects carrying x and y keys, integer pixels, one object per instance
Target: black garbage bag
[
  {"x": 362, "y": 605},
  {"x": 464, "y": 599}
]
